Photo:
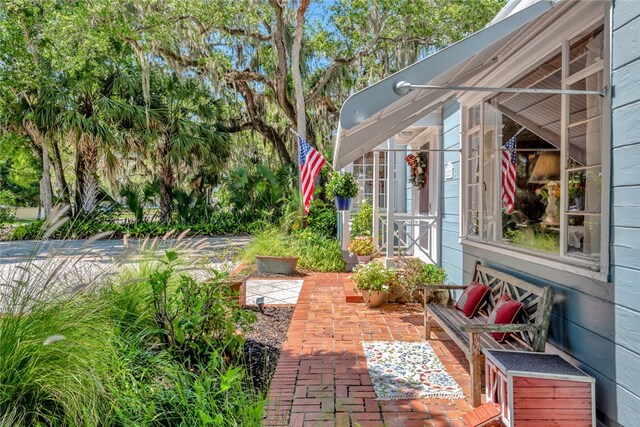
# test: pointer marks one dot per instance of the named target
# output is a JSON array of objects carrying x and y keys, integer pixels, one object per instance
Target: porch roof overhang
[{"x": 378, "y": 112}]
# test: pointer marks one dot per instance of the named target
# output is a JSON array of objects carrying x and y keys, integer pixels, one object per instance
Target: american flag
[
  {"x": 509, "y": 161},
  {"x": 311, "y": 162}
]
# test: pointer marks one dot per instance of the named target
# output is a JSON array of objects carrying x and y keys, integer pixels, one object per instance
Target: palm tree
[
  {"x": 99, "y": 121},
  {"x": 34, "y": 114},
  {"x": 186, "y": 137}
]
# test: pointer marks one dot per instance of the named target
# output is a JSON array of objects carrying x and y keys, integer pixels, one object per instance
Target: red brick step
[{"x": 350, "y": 293}]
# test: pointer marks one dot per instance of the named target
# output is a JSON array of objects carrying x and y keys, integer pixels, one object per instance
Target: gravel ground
[{"x": 264, "y": 341}]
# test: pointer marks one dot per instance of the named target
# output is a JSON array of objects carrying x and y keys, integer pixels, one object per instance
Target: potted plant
[
  {"x": 343, "y": 187},
  {"x": 416, "y": 273},
  {"x": 374, "y": 281},
  {"x": 273, "y": 252},
  {"x": 362, "y": 247}
]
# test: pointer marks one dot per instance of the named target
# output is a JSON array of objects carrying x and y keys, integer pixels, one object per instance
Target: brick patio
[{"x": 322, "y": 379}]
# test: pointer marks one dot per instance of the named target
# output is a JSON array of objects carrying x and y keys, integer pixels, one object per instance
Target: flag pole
[
  {"x": 299, "y": 169},
  {"x": 297, "y": 134}
]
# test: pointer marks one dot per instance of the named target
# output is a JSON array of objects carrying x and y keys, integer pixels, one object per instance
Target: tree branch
[
  {"x": 247, "y": 75},
  {"x": 340, "y": 62},
  {"x": 239, "y": 127},
  {"x": 259, "y": 125},
  {"x": 230, "y": 31}
]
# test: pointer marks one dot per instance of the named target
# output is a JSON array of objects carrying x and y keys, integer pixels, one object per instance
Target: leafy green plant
[
  {"x": 199, "y": 317},
  {"x": 532, "y": 239},
  {"x": 137, "y": 196},
  {"x": 323, "y": 218},
  {"x": 362, "y": 222},
  {"x": 417, "y": 273},
  {"x": 362, "y": 246},
  {"x": 342, "y": 185},
  {"x": 7, "y": 202},
  {"x": 374, "y": 276}
]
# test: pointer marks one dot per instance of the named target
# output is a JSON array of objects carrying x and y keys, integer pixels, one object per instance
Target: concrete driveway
[{"x": 75, "y": 263}]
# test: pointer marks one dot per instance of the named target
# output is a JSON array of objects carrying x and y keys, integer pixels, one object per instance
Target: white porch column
[
  {"x": 345, "y": 217},
  {"x": 376, "y": 199},
  {"x": 391, "y": 163}
]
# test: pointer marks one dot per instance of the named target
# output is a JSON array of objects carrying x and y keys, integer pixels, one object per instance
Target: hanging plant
[{"x": 418, "y": 164}]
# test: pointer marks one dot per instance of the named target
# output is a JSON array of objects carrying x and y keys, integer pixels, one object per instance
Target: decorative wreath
[{"x": 418, "y": 164}]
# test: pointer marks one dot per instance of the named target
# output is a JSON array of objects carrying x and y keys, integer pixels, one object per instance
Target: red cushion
[
  {"x": 471, "y": 299},
  {"x": 503, "y": 313}
]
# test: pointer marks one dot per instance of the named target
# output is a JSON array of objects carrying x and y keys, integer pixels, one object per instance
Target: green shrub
[
  {"x": 174, "y": 337},
  {"x": 55, "y": 360},
  {"x": 417, "y": 273},
  {"x": 323, "y": 218},
  {"x": 99, "y": 357},
  {"x": 221, "y": 223},
  {"x": 30, "y": 231},
  {"x": 316, "y": 251},
  {"x": 7, "y": 201},
  {"x": 362, "y": 222},
  {"x": 6, "y": 215},
  {"x": 199, "y": 317}
]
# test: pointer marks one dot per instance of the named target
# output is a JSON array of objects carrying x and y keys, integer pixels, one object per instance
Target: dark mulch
[{"x": 264, "y": 341}]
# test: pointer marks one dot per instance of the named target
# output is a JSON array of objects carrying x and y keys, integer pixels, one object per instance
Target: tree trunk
[
  {"x": 295, "y": 69},
  {"x": 166, "y": 184},
  {"x": 58, "y": 169},
  {"x": 86, "y": 197},
  {"x": 46, "y": 197},
  {"x": 279, "y": 44},
  {"x": 45, "y": 182}
]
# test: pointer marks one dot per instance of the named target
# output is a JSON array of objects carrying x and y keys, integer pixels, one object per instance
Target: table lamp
[{"x": 547, "y": 171}]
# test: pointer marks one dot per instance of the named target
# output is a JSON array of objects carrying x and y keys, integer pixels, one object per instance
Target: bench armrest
[
  {"x": 517, "y": 327},
  {"x": 440, "y": 287}
]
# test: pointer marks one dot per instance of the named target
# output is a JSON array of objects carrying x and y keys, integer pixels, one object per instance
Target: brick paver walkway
[{"x": 322, "y": 379}]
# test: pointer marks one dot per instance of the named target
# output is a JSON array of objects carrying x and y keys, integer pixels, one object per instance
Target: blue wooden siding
[
  {"x": 625, "y": 208},
  {"x": 451, "y": 251}
]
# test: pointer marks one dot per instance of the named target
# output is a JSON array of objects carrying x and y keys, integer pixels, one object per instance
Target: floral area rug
[{"x": 408, "y": 370}]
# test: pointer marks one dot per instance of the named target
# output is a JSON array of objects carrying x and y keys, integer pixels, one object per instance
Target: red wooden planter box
[{"x": 536, "y": 389}]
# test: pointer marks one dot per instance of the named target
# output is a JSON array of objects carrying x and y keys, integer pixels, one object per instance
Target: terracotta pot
[
  {"x": 373, "y": 299},
  {"x": 236, "y": 284},
  {"x": 276, "y": 264},
  {"x": 363, "y": 259}
]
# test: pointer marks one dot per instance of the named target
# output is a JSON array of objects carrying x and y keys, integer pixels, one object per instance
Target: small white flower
[{"x": 53, "y": 338}]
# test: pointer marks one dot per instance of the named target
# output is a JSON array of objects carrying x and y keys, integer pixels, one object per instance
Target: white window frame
[{"x": 561, "y": 261}]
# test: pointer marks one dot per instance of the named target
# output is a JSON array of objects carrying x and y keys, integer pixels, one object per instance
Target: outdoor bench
[{"x": 529, "y": 333}]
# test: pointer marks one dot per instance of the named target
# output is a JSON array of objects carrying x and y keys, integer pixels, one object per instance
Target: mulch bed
[{"x": 264, "y": 341}]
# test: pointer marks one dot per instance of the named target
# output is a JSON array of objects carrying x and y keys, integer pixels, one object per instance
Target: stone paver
[
  {"x": 321, "y": 378},
  {"x": 273, "y": 291}
]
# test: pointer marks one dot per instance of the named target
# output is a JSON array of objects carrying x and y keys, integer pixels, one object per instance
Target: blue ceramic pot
[{"x": 343, "y": 203}]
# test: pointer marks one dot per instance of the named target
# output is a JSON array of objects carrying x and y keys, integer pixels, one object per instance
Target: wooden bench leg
[
  {"x": 427, "y": 323},
  {"x": 476, "y": 362}
]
